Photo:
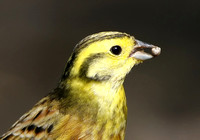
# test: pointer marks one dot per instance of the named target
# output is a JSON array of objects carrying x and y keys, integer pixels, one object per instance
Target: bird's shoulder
[
  {"x": 48, "y": 120},
  {"x": 37, "y": 123}
]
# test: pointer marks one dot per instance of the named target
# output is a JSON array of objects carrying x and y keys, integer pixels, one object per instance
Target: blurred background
[{"x": 37, "y": 37}]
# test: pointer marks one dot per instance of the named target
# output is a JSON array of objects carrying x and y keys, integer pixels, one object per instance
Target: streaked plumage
[{"x": 89, "y": 102}]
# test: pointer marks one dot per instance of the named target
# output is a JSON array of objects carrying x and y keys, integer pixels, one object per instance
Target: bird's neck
[
  {"x": 103, "y": 103},
  {"x": 105, "y": 96}
]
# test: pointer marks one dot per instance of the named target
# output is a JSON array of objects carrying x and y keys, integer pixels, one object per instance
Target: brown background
[{"x": 37, "y": 37}]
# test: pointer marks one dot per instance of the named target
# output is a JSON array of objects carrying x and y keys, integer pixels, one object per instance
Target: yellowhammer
[{"x": 89, "y": 102}]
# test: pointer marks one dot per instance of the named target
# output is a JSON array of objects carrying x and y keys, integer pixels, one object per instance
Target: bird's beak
[{"x": 144, "y": 51}]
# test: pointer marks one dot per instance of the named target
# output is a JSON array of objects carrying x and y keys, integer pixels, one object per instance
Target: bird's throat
[{"x": 100, "y": 98}]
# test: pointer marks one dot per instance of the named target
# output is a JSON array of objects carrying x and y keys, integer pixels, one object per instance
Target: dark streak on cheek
[{"x": 87, "y": 63}]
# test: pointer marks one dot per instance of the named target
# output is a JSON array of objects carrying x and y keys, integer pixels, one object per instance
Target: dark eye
[{"x": 116, "y": 50}]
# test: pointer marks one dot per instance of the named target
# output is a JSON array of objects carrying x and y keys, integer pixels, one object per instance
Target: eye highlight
[{"x": 116, "y": 50}]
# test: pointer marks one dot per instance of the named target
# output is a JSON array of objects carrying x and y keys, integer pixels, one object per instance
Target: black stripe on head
[
  {"x": 84, "y": 43},
  {"x": 85, "y": 67},
  {"x": 99, "y": 37}
]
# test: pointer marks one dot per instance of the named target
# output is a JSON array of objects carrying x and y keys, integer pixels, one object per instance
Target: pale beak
[{"x": 144, "y": 51}]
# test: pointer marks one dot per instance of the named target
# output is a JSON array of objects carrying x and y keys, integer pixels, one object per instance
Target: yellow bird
[{"x": 89, "y": 102}]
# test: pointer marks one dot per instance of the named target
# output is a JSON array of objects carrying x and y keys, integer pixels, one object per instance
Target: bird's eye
[{"x": 116, "y": 50}]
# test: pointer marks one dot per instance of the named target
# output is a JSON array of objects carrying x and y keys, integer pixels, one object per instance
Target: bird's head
[{"x": 108, "y": 56}]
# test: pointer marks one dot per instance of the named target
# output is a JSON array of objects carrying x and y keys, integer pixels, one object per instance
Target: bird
[{"x": 89, "y": 102}]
